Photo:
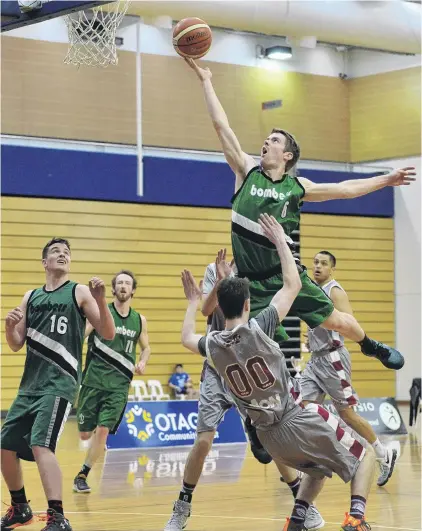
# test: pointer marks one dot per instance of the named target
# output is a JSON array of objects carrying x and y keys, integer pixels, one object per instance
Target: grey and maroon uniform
[
  {"x": 328, "y": 372},
  {"x": 254, "y": 369}
]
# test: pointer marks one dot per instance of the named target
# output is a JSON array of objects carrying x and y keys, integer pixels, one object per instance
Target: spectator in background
[{"x": 180, "y": 382}]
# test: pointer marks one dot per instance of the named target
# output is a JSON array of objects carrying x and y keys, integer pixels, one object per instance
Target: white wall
[
  {"x": 240, "y": 48},
  {"x": 407, "y": 251},
  {"x": 227, "y": 47},
  {"x": 366, "y": 63}
]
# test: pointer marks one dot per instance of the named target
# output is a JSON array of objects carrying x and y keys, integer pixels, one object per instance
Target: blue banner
[
  {"x": 383, "y": 414},
  {"x": 169, "y": 423},
  {"x": 67, "y": 174}
]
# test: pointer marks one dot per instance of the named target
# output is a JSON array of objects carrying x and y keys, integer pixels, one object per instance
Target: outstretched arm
[
  {"x": 190, "y": 339},
  {"x": 209, "y": 286},
  {"x": 292, "y": 284},
  {"x": 239, "y": 161},
  {"x": 352, "y": 188}
]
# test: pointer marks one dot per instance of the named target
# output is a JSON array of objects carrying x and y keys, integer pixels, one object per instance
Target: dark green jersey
[
  {"x": 253, "y": 252},
  {"x": 110, "y": 364},
  {"x": 55, "y": 334}
]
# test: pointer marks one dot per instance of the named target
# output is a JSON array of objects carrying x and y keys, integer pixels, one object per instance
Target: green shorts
[
  {"x": 98, "y": 407},
  {"x": 312, "y": 305},
  {"x": 34, "y": 421}
]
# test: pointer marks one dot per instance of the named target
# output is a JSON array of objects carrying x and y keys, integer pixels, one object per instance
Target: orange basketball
[{"x": 192, "y": 38}]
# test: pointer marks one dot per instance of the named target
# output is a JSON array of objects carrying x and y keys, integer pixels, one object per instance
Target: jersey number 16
[{"x": 59, "y": 325}]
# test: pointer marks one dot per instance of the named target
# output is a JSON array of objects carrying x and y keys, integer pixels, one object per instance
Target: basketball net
[{"x": 92, "y": 35}]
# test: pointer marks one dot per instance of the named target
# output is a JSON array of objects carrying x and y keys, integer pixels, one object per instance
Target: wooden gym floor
[{"x": 135, "y": 490}]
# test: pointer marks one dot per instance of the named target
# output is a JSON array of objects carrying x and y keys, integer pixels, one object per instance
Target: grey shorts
[
  {"x": 331, "y": 375},
  {"x": 315, "y": 442},
  {"x": 214, "y": 401}
]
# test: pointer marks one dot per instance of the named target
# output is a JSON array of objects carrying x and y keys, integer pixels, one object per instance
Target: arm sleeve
[
  {"x": 268, "y": 320},
  {"x": 210, "y": 279},
  {"x": 201, "y": 346}
]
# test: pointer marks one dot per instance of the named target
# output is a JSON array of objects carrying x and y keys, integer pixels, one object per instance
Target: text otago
[
  {"x": 122, "y": 330},
  {"x": 268, "y": 192}
]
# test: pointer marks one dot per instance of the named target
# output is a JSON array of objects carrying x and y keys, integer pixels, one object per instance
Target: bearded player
[
  {"x": 268, "y": 188},
  {"x": 109, "y": 371}
]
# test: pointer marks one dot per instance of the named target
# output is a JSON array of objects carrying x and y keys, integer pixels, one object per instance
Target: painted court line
[{"x": 374, "y": 526}]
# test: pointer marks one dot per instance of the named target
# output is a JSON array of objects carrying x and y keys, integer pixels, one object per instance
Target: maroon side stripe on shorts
[{"x": 343, "y": 436}]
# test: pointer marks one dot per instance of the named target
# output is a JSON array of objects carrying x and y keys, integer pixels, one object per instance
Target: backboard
[{"x": 11, "y": 16}]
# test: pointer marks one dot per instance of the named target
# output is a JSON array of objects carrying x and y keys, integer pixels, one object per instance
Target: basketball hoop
[{"x": 92, "y": 35}]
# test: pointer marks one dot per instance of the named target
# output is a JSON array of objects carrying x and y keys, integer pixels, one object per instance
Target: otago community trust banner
[{"x": 169, "y": 423}]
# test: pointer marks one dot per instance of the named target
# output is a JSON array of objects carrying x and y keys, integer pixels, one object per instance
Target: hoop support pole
[{"x": 140, "y": 165}]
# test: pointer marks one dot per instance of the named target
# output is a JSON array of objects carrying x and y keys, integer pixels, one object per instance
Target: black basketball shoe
[
  {"x": 259, "y": 452},
  {"x": 56, "y": 522},
  {"x": 80, "y": 484},
  {"x": 17, "y": 514},
  {"x": 388, "y": 356}
]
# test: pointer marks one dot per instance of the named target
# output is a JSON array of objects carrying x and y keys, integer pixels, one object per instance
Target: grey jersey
[
  {"x": 320, "y": 339},
  {"x": 254, "y": 368}
]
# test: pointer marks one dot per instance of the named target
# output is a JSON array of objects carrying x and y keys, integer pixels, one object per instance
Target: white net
[{"x": 92, "y": 35}]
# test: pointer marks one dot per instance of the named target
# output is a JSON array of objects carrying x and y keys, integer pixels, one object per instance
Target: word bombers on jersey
[
  {"x": 269, "y": 192},
  {"x": 122, "y": 330},
  {"x": 48, "y": 307}
]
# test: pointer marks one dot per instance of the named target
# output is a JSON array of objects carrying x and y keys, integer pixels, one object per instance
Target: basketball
[{"x": 192, "y": 38}]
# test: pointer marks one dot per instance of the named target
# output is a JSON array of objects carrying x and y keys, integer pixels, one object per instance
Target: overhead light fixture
[{"x": 279, "y": 53}]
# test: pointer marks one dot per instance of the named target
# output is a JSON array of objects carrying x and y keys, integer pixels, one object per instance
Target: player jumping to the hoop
[{"x": 269, "y": 188}]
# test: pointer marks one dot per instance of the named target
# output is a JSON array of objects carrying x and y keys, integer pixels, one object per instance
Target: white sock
[{"x": 379, "y": 449}]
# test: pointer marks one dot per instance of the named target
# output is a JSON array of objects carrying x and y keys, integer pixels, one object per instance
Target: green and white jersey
[
  {"x": 111, "y": 364},
  {"x": 55, "y": 334},
  {"x": 253, "y": 252}
]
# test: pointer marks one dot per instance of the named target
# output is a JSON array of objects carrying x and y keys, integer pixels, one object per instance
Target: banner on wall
[
  {"x": 169, "y": 423},
  {"x": 382, "y": 414}
]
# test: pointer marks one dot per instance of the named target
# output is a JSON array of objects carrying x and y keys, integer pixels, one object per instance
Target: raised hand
[
  {"x": 271, "y": 228},
  {"x": 223, "y": 268},
  {"x": 14, "y": 317},
  {"x": 202, "y": 73},
  {"x": 402, "y": 176},
  {"x": 97, "y": 288},
  {"x": 192, "y": 291}
]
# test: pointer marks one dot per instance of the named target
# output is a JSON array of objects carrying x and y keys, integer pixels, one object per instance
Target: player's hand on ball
[
  {"x": 97, "y": 288},
  {"x": 14, "y": 317},
  {"x": 223, "y": 268},
  {"x": 140, "y": 367},
  {"x": 271, "y": 228},
  {"x": 403, "y": 176},
  {"x": 202, "y": 73},
  {"x": 192, "y": 291}
]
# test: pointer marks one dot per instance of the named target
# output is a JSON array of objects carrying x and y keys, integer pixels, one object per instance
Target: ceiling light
[{"x": 279, "y": 53}]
